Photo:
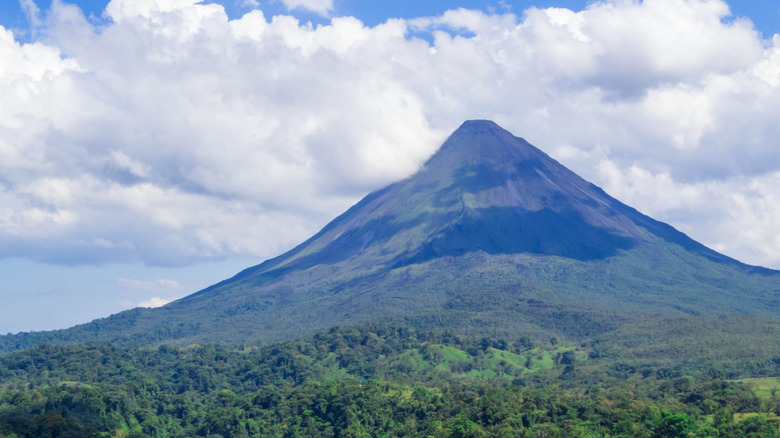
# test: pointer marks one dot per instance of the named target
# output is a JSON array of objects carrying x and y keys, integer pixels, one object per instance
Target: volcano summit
[{"x": 491, "y": 235}]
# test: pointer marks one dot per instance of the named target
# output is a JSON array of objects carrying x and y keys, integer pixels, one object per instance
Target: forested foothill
[{"x": 389, "y": 381}]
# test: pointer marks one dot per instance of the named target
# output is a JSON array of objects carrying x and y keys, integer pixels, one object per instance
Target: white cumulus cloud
[
  {"x": 154, "y": 302},
  {"x": 172, "y": 134}
]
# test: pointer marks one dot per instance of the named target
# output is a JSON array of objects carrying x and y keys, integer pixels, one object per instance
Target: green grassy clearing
[{"x": 763, "y": 387}]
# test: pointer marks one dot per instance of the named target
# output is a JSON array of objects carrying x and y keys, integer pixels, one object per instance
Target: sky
[{"x": 150, "y": 148}]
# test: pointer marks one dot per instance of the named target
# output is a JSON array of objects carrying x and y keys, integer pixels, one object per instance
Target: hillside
[{"x": 491, "y": 236}]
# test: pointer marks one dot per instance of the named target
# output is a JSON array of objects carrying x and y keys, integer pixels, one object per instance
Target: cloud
[
  {"x": 322, "y": 7},
  {"x": 171, "y": 134},
  {"x": 251, "y": 4},
  {"x": 743, "y": 209},
  {"x": 164, "y": 285},
  {"x": 31, "y": 12},
  {"x": 154, "y": 302}
]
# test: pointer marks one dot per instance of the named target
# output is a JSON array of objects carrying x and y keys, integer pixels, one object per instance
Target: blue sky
[
  {"x": 764, "y": 15},
  {"x": 153, "y": 148}
]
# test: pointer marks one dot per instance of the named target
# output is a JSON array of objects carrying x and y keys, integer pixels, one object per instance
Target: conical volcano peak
[
  {"x": 481, "y": 156},
  {"x": 488, "y": 205}
]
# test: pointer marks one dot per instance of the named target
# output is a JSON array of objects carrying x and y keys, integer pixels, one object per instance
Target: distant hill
[{"x": 492, "y": 236}]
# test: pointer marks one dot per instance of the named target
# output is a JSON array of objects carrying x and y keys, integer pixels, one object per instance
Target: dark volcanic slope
[
  {"x": 492, "y": 235},
  {"x": 485, "y": 190}
]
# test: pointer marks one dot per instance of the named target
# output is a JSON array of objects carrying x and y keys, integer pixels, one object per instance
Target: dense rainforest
[{"x": 383, "y": 381}]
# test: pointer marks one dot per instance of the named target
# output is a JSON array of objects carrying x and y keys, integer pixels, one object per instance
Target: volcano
[{"x": 491, "y": 235}]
